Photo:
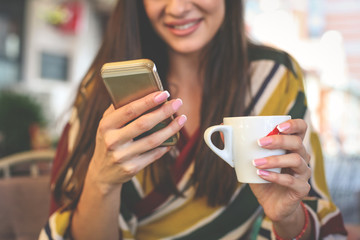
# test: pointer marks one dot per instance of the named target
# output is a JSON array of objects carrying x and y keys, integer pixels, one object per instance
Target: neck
[{"x": 184, "y": 68}]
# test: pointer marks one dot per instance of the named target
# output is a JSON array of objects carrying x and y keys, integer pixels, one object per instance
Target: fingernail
[
  {"x": 162, "y": 96},
  {"x": 283, "y": 126},
  {"x": 182, "y": 119},
  {"x": 259, "y": 162},
  {"x": 264, "y": 141},
  {"x": 262, "y": 172},
  {"x": 177, "y": 104}
]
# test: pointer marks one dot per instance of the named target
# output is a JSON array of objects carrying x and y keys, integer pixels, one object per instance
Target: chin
[{"x": 186, "y": 49}]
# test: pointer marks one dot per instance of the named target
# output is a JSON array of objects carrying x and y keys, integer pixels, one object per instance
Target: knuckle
[
  {"x": 298, "y": 161},
  {"x": 149, "y": 101},
  {"x": 308, "y": 173},
  {"x": 130, "y": 111},
  {"x": 305, "y": 126},
  {"x": 307, "y": 188},
  {"x": 158, "y": 153},
  {"x": 280, "y": 140},
  {"x": 113, "y": 157},
  {"x": 142, "y": 125},
  {"x": 109, "y": 143},
  {"x": 275, "y": 160},
  {"x": 167, "y": 111},
  {"x": 298, "y": 142},
  {"x": 174, "y": 127},
  {"x": 153, "y": 142},
  {"x": 102, "y": 126},
  {"x": 288, "y": 180},
  {"x": 129, "y": 169},
  {"x": 308, "y": 155}
]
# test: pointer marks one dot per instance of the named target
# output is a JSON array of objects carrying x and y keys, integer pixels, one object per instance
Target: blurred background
[{"x": 46, "y": 47}]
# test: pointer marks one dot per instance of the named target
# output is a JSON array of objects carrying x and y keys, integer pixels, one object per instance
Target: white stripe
[
  {"x": 328, "y": 216},
  {"x": 259, "y": 70},
  {"x": 335, "y": 237},
  {"x": 130, "y": 225},
  {"x": 138, "y": 187},
  {"x": 272, "y": 85},
  {"x": 74, "y": 129},
  {"x": 52, "y": 225}
]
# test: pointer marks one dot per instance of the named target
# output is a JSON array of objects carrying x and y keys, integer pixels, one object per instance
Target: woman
[{"x": 110, "y": 186}]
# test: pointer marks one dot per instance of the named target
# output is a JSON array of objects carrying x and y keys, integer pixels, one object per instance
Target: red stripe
[
  {"x": 60, "y": 156},
  {"x": 157, "y": 197},
  {"x": 333, "y": 226}
]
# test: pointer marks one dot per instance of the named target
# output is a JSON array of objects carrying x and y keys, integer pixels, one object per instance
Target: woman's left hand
[{"x": 281, "y": 198}]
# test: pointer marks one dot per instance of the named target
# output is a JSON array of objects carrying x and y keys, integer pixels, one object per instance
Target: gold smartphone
[{"x": 127, "y": 81}]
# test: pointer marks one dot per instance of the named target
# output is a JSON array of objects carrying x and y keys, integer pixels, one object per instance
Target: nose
[{"x": 177, "y": 8}]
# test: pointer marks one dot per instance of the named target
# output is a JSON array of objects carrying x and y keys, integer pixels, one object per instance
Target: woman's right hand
[{"x": 117, "y": 157}]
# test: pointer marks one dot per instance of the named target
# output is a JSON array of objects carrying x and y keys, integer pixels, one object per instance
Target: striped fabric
[{"x": 146, "y": 213}]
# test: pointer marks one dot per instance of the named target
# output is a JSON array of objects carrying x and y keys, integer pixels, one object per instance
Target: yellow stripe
[
  {"x": 326, "y": 208},
  {"x": 127, "y": 235},
  {"x": 177, "y": 221},
  {"x": 145, "y": 173},
  {"x": 278, "y": 102},
  {"x": 62, "y": 221},
  {"x": 319, "y": 168}
]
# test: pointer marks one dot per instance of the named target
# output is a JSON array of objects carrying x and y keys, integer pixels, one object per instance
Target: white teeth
[{"x": 183, "y": 27}]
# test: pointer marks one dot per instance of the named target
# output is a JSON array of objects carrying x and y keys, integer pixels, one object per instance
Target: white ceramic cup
[{"x": 240, "y": 143}]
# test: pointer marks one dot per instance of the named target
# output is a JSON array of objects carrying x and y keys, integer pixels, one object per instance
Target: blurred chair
[
  {"x": 24, "y": 201},
  {"x": 31, "y": 163}
]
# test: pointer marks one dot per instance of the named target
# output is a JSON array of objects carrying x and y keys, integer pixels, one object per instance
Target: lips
[{"x": 182, "y": 28}]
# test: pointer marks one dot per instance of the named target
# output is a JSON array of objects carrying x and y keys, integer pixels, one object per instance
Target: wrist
[
  {"x": 101, "y": 188},
  {"x": 296, "y": 226}
]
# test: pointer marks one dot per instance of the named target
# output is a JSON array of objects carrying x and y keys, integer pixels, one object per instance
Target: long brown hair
[{"x": 129, "y": 36}]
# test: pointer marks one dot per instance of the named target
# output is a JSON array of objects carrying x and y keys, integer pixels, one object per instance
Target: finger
[
  {"x": 292, "y": 143},
  {"x": 131, "y": 167},
  {"x": 300, "y": 186},
  {"x": 157, "y": 138},
  {"x": 116, "y": 137},
  {"x": 294, "y": 126},
  {"x": 293, "y": 161},
  {"x": 129, "y": 112}
]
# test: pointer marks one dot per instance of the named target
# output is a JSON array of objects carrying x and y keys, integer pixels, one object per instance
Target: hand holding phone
[{"x": 127, "y": 81}]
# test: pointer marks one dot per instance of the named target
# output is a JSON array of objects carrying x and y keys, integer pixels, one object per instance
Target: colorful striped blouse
[{"x": 277, "y": 89}]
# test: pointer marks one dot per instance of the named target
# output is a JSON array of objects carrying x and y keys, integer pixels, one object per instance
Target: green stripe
[
  {"x": 132, "y": 196},
  {"x": 266, "y": 53},
  {"x": 125, "y": 212},
  {"x": 240, "y": 210},
  {"x": 313, "y": 204},
  {"x": 130, "y": 191},
  {"x": 299, "y": 108}
]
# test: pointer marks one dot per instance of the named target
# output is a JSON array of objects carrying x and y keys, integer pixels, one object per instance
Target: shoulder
[{"x": 261, "y": 55}]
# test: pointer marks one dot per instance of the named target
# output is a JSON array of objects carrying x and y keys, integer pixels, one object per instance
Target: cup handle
[{"x": 226, "y": 153}]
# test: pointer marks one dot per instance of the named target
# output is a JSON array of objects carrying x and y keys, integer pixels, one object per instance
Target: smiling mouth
[{"x": 184, "y": 26}]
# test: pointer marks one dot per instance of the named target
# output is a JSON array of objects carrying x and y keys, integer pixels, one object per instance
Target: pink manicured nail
[
  {"x": 177, "y": 104},
  {"x": 162, "y": 96},
  {"x": 283, "y": 126},
  {"x": 259, "y": 162},
  {"x": 262, "y": 172},
  {"x": 264, "y": 141},
  {"x": 182, "y": 119}
]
